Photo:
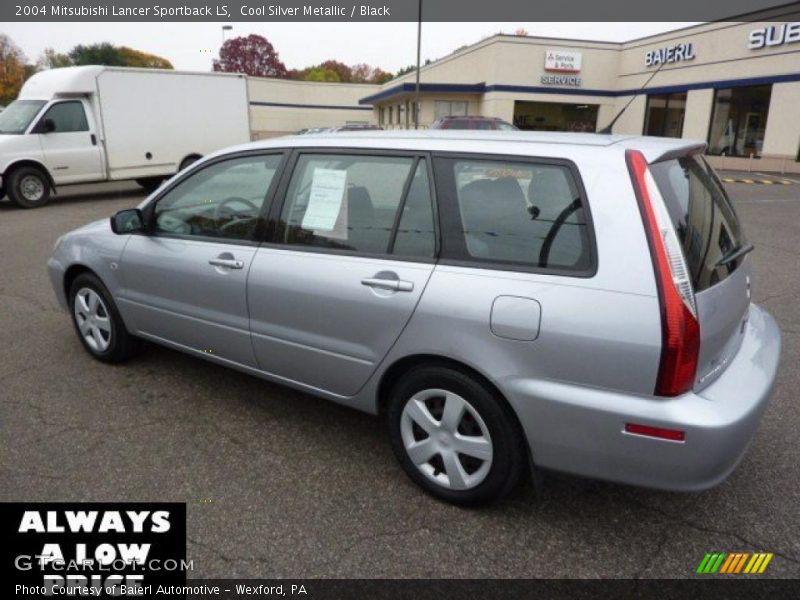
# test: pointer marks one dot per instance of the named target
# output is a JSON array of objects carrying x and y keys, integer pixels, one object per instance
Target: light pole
[
  {"x": 224, "y": 29},
  {"x": 419, "y": 47}
]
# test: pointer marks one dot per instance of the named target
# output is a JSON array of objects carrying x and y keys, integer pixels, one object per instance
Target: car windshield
[{"x": 18, "y": 115}]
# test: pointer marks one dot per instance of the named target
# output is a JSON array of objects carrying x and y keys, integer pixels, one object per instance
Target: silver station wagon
[{"x": 505, "y": 300}]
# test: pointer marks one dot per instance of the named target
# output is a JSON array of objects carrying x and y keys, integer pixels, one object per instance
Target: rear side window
[
  {"x": 703, "y": 216},
  {"x": 519, "y": 214},
  {"x": 364, "y": 204}
]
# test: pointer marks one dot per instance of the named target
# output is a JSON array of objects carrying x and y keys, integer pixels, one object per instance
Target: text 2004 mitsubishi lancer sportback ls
[{"x": 577, "y": 302}]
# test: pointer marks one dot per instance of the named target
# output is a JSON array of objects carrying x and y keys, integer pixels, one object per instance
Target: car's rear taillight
[{"x": 680, "y": 329}]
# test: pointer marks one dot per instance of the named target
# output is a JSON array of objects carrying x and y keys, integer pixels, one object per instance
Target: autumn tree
[
  {"x": 137, "y": 58},
  {"x": 13, "y": 71},
  {"x": 51, "y": 59},
  {"x": 344, "y": 72},
  {"x": 252, "y": 55}
]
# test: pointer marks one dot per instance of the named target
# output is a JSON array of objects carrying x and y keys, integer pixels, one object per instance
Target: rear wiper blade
[{"x": 734, "y": 254}]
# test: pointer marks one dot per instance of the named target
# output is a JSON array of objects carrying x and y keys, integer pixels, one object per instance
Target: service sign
[{"x": 562, "y": 61}]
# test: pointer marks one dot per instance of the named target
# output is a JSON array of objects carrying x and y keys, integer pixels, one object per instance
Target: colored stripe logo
[{"x": 733, "y": 563}]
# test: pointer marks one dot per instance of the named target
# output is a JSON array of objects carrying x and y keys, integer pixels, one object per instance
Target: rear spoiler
[{"x": 682, "y": 151}]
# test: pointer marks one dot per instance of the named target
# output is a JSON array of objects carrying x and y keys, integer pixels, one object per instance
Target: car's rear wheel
[
  {"x": 28, "y": 187},
  {"x": 97, "y": 321},
  {"x": 453, "y": 436}
]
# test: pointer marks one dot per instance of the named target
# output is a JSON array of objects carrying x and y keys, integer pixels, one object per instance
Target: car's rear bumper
[{"x": 581, "y": 430}]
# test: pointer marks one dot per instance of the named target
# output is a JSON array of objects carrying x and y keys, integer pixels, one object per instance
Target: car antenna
[{"x": 607, "y": 129}]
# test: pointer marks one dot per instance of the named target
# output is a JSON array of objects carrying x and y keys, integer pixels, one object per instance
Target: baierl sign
[{"x": 669, "y": 54}]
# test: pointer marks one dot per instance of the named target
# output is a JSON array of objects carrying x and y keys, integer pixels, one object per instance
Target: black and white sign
[{"x": 93, "y": 549}]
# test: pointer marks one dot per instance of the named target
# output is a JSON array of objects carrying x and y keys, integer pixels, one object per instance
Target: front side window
[
  {"x": 16, "y": 117},
  {"x": 67, "y": 117},
  {"x": 524, "y": 214},
  {"x": 350, "y": 202},
  {"x": 739, "y": 121},
  {"x": 223, "y": 200}
]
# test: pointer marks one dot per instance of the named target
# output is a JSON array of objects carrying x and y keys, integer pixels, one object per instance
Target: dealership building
[{"x": 735, "y": 85}]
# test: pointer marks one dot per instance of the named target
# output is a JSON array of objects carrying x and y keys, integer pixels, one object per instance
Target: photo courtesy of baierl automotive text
[{"x": 419, "y": 298}]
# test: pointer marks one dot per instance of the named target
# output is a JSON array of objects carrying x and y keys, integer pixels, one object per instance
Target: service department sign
[{"x": 562, "y": 61}]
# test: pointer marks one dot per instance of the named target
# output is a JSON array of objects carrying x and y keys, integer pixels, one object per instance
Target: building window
[
  {"x": 664, "y": 114},
  {"x": 390, "y": 115},
  {"x": 555, "y": 116},
  {"x": 448, "y": 108},
  {"x": 400, "y": 108},
  {"x": 380, "y": 115},
  {"x": 739, "y": 120}
]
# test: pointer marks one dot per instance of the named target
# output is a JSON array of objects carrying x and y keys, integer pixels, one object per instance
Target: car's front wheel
[
  {"x": 453, "y": 436},
  {"x": 97, "y": 321}
]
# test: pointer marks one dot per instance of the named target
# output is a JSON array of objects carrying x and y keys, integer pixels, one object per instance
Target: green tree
[
  {"x": 112, "y": 56},
  {"x": 321, "y": 73},
  {"x": 97, "y": 54}
]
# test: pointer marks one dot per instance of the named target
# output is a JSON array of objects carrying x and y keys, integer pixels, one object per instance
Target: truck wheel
[
  {"x": 28, "y": 187},
  {"x": 150, "y": 184},
  {"x": 188, "y": 161}
]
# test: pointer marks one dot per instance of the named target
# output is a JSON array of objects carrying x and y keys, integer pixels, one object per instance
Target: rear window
[
  {"x": 703, "y": 216},
  {"x": 518, "y": 213}
]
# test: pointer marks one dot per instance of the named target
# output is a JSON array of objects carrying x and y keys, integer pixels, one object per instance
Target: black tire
[
  {"x": 121, "y": 344},
  {"x": 508, "y": 461},
  {"x": 22, "y": 184},
  {"x": 188, "y": 162},
  {"x": 150, "y": 184}
]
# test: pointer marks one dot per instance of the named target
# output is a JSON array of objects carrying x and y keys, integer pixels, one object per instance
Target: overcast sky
[{"x": 391, "y": 46}]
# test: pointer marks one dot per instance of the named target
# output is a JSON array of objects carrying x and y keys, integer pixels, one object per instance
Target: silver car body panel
[{"x": 576, "y": 357}]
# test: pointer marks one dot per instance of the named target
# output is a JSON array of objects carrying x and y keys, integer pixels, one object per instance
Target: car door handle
[
  {"x": 396, "y": 285},
  {"x": 228, "y": 263},
  {"x": 94, "y": 139}
]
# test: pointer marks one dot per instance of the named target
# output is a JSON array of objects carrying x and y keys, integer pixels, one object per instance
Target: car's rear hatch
[{"x": 716, "y": 255}]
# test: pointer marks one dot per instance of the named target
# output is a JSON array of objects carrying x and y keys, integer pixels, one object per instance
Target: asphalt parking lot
[{"x": 280, "y": 484}]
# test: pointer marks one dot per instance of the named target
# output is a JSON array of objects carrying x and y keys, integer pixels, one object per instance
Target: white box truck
[{"x": 92, "y": 124}]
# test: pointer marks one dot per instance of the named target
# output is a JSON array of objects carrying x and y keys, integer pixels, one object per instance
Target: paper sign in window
[{"x": 325, "y": 199}]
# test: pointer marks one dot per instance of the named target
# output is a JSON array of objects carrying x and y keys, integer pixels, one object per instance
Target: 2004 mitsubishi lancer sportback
[{"x": 576, "y": 302}]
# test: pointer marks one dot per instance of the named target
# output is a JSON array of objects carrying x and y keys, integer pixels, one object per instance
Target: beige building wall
[
  {"x": 782, "y": 138},
  {"x": 698, "y": 114},
  {"x": 282, "y": 106}
]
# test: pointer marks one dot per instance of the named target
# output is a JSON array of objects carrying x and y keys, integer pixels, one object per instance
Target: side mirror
[
  {"x": 46, "y": 126},
  {"x": 129, "y": 220}
]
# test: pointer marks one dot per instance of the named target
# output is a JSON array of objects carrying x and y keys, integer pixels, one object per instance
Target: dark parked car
[{"x": 472, "y": 123}]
